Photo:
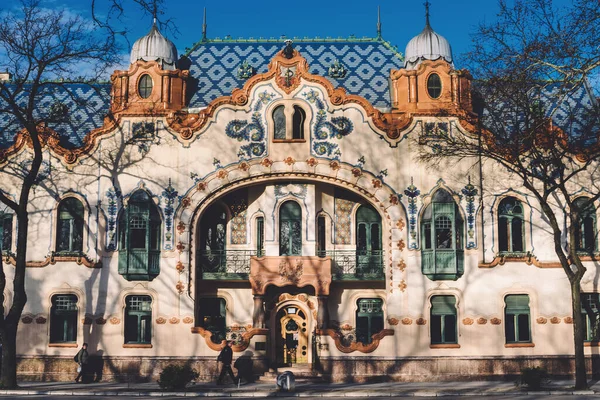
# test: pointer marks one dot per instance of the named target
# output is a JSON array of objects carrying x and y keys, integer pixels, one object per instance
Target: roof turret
[{"x": 155, "y": 47}]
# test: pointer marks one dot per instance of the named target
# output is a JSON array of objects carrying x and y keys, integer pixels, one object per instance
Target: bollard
[{"x": 286, "y": 382}]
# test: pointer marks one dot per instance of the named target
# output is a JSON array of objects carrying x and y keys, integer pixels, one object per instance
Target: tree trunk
[
  {"x": 578, "y": 335},
  {"x": 8, "y": 334}
]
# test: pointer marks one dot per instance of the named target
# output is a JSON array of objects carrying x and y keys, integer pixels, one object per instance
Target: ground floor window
[
  {"x": 212, "y": 317},
  {"x": 517, "y": 319},
  {"x": 369, "y": 319},
  {"x": 63, "y": 319},
  {"x": 443, "y": 320},
  {"x": 138, "y": 319},
  {"x": 590, "y": 304}
]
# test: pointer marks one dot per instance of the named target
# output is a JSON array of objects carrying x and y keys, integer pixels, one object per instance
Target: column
[{"x": 258, "y": 317}]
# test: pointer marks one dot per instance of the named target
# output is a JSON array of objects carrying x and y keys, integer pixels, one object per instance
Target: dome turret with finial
[
  {"x": 428, "y": 45},
  {"x": 155, "y": 47}
]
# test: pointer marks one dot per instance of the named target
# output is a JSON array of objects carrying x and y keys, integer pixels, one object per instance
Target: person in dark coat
[
  {"x": 225, "y": 357},
  {"x": 82, "y": 359}
]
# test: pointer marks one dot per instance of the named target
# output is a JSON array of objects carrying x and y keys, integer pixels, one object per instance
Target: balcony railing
[
  {"x": 226, "y": 264},
  {"x": 355, "y": 264}
]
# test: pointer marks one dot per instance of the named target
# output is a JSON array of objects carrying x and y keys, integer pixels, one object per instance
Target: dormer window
[
  {"x": 145, "y": 86},
  {"x": 434, "y": 86},
  {"x": 286, "y": 116}
]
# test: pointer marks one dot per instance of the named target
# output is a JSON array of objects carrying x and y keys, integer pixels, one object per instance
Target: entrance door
[{"x": 292, "y": 336}]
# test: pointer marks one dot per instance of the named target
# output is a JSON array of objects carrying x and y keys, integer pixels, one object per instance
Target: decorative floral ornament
[{"x": 337, "y": 70}]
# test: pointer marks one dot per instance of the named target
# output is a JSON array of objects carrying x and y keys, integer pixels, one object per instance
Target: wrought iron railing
[
  {"x": 230, "y": 264},
  {"x": 355, "y": 264}
]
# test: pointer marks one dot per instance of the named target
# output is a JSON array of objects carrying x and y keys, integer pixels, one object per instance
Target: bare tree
[
  {"x": 532, "y": 65},
  {"x": 42, "y": 49}
]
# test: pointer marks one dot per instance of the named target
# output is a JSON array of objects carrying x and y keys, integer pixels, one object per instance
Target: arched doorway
[{"x": 292, "y": 334}]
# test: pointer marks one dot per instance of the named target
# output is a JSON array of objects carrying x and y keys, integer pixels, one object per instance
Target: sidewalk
[{"x": 303, "y": 389}]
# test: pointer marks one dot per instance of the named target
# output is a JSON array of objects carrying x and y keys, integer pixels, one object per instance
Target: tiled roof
[
  {"x": 86, "y": 106},
  {"x": 215, "y": 64}
]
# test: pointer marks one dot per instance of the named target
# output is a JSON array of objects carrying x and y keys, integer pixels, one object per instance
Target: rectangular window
[
  {"x": 369, "y": 319},
  {"x": 517, "y": 319},
  {"x": 6, "y": 232},
  {"x": 443, "y": 320},
  {"x": 590, "y": 306},
  {"x": 138, "y": 320},
  {"x": 63, "y": 319},
  {"x": 212, "y": 317}
]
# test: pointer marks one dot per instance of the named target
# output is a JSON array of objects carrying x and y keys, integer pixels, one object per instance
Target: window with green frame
[
  {"x": 321, "y": 237},
  {"x": 442, "y": 227},
  {"x": 443, "y": 320},
  {"x": 511, "y": 229},
  {"x": 212, "y": 317},
  {"x": 517, "y": 319},
  {"x": 369, "y": 255},
  {"x": 63, "y": 319},
  {"x": 69, "y": 231},
  {"x": 139, "y": 239},
  {"x": 590, "y": 310},
  {"x": 138, "y": 319},
  {"x": 6, "y": 229},
  {"x": 369, "y": 319},
  {"x": 260, "y": 236},
  {"x": 586, "y": 238},
  {"x": 290, "y": 229}
]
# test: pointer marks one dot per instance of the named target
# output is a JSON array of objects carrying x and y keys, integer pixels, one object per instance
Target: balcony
[
  {"x": 226, "y": 264},
  {"x": 356, "y": 264}
]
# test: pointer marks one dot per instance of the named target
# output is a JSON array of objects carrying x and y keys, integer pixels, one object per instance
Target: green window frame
[
  {"x": 369, "y": 319},
  {"x": 138, "y": 319},
  {"x": 590, "y": 310},
  {"x": 442, "y": 230},
  {"x": 511, "y": 226},
  {"x": 290, "y": 229},
  {"x": 63, "y": 318},
  {"x": 6, "y": 231},
  {"x": 70, "y": 225},
  {"x": 517, "y": 318},
  {"x": 586, "y": 237},
  {"x": 434, "y": 86},
  {"x": 260, "y": 236},
  {"x": 145, "y": 86},
  {"x": 444, "y": 326},
  {"x": 369, "y": 253},
  {"x": 139, "y": 238},
  {"x": 213, "y": 317},
  {"x": 298, "y": 123},
  {"x": 321, "y": 236}
]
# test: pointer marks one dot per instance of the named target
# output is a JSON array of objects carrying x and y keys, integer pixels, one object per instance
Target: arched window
[
  {"x": 369, "y": 319},
  {"x": 6, "y": 228},
  {"x": 139, "y": 239},
  {"x": 517, "y": 318},
  {"x": 443, "y": 320},
  {"x": 298, "y": 123},
  {"x": 279, "y": 122},
  {"x": 138, "y": 320},
  {"x": 69, "y": 235},
  {"x": 434, "y": 86},
  {"x": 511, "y": 237},
  {"x": 260, "y": 236},
  {"x": 290, "y": 229},
  {"x": 369, "y": 254},
  {"x": 212, "y": 317},
  {"x": 442, "y": 255},
  {"x": 585, "y": 232},
  {"x": 213, "y": 240},
  {"x": 321, "y": 243},
  {"x": 63, "y": 319},
  {"x": 145, "y": 86}
]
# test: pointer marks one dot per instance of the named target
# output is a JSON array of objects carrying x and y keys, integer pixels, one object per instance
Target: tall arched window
[
  {"x": 369, "y": 260},
  {"x": 213, "y": 240},
  {"x": 585, "y": 232},
  {"x": 298, "y": 123},
  {"x": 260, "y": 236},
  {"x": 321, "y": 243},
  {"x": 290, "y": 229},
  {"x": 139, "y": 239},
  {"x": 511, "y": 229},
  {"x": 69, "y": 235},
  {"x": 442, "y": 255},
  {"x": 279, "y": 122}
]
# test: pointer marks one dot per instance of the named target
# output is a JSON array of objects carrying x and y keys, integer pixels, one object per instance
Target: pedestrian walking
[
  {"x": 225, "y": 357},
  {"x": 81, "y": 358}
]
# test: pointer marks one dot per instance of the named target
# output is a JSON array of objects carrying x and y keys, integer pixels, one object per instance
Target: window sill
[
  {"x": 137, "y": 346},
  {"x": 445, "y": 346},
  {"x": 518, "y": 345},
  {"x": 289, "y": 140},
  {"x": 591, "y": 344},
  {"x": 66, "y": 345}
]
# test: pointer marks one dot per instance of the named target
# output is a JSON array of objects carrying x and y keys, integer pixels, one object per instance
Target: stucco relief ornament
[
  {"x": 312, "y": 162},
  {"x": 289, "y": 161},
  {"x": 114, "y": 321},
  {"x": 421, "y": 321},
  {"x": 100, "y": 321},
  {"x": 412, "y": 194},
  {"x": 334, "y": 165},
  {"x": 337, "y": 70},
  {"x": 180, "y": 286},
  {"x": 266, "y": 163},
  {"x": 245, "y": 70},
  {"x": 468, "y": 321},
  {"x": 568, "y": 320},
  {"x": 402, "y": 286},
  {"x": 401, "y": 245},
  {"x": 180, "y": 267},
  {"x": 174, "y": 320},
  {"x": 161, "y": 320},
  {"x": 407, "y": 321},
  {"x": 27, "y": 319},
  {"x": 188, "y": 320},
  {"x": 555, "y": 320},
  {"x": 356, "y": 172},
  {"x": 542, "y": 320},
  {"x": 481, "y": 321},
  {"x": 401, "y": 265},
  {"x": 40, "y": 320},
  {"x": 290, "y": 272},
  {"x": 470, "y": 192},
  {"x": 393, "y": 321},
  {"x": 376, "y": 183},
  {"x": 180, "y": 227},
  {"x": 495, "y": 321}
]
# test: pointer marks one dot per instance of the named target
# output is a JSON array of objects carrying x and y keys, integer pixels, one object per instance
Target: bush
[
  {"x": 176, "y": 377},
  {"x": 534, "y": 377}
]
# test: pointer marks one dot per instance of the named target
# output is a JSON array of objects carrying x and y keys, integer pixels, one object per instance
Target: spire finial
[
  {"x": 204, "y": 26},
  {"x": 154, "y": 12},
  {"x": 378, "y": 21},
  {"x": 427, "y": 4}
]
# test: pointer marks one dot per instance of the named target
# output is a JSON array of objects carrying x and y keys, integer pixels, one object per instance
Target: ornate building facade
[{"x": 269, "y": 193}]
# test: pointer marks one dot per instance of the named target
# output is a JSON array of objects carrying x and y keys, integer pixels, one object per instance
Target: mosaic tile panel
[
  {"x": 343, "y": 221},
  {"x": 238, "y": 206}
]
